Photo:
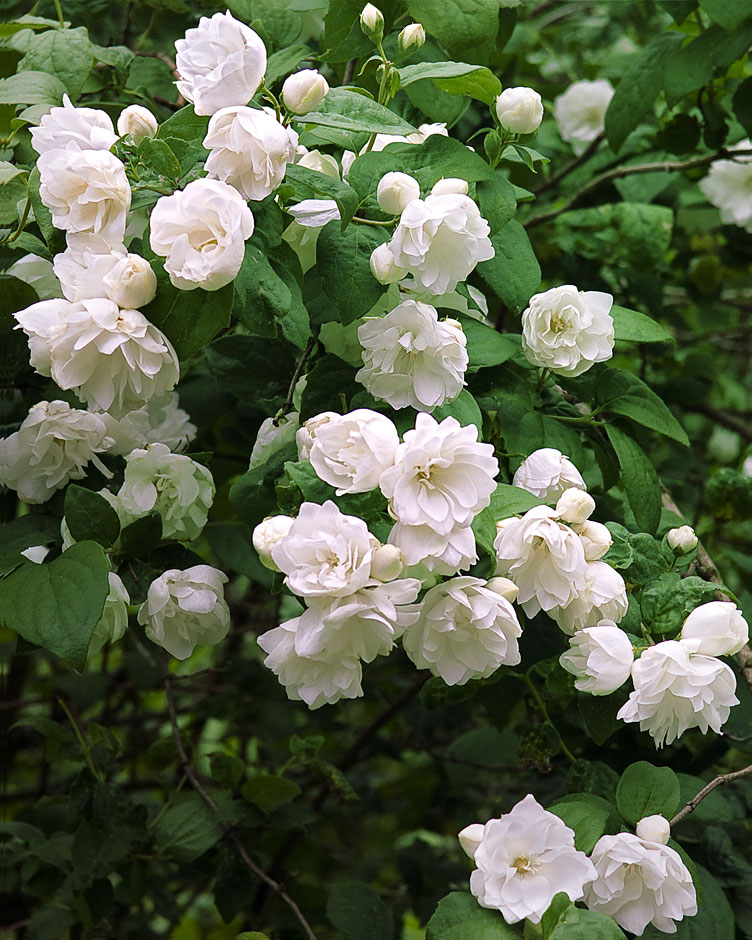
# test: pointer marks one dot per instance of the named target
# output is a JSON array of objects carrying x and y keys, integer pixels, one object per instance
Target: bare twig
[
  {"x": 739, "y": 426},
  {"x": 708, "y": 788},
  {"x": 294, "y": 380},
  {"x": 570, "y": 167},
  {"x": 349, "y": 71},
  {"x": 226, "y": 828}
]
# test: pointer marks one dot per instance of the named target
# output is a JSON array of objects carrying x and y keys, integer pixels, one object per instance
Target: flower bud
[
  {"x": 321, "y": 162},
  {"x": 266, "y": 535},
  {"x": 395, "y": 191},
  {"x": 137, "y": 121},
  {"x": 303, "y": 91},
  {"x": 505, "y": 587},
  {"x": 575, "y": 505},
  {"x": 411, "y": 38},
  {"x": 596, "y": 539},
  {"x": 386, "y": 563},
  {"x": 372, "y": 22},
  {"x": 384, "y": 267},
  {"x": 470, "y": 838},
  {"x": 131, "y": 283},
  {"x": 450, "y": 186},
  {"x": 654, "y": 829},
  {"x": 682, "y": 540},
  {"x": 717, "y": 628},
  {"x": 519, "y": 110},
  {"x": 494, "y": 147}
]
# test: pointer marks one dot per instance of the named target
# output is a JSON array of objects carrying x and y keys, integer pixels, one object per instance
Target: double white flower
[
  {"x": 351, "y": 451},
  {"x": 92, "y": 268},
  {"x": 72, "y": 128},
  {"x": 601, "y": 658},
  {"x": 547, "y": 473},
  {"x": 581, "y": 112}
]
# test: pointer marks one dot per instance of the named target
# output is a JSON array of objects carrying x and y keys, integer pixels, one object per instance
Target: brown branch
[
  {"x": 665, "y": 166},
  {"x": 708, "y": 788},
  {"x": 740, "y": 427},
  {"x": 570, "y": 167},
  {"x": 294, "y": 380},
  {"x": 226, "y": 828}
]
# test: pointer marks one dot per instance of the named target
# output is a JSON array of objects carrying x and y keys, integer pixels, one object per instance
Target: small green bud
[{"x": 372, "y": 22}]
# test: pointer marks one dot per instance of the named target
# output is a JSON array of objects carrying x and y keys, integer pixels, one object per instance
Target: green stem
[
  {"x": 574, "y": 420},
  {"x": 59, "y": 9},
  {"x": 371, "y": 221},
  {"x": 81, "y": 742},
  {"x": 22, "y": 221},
  {"x": 544, "y": 712}
]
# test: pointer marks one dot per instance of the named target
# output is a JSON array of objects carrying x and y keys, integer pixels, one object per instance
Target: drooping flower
[
  {"x": 600, "y": 657},
  {"x": 395, "y": 191},
  {"x": 272, "y": 436},
  {"x": 266, "y": 535},
  {"x": 547, "y": 473},
  {"x": 350, "y": 452},
  {"x": 114, "y": 620},
  {"x": 304, "y": 90}
]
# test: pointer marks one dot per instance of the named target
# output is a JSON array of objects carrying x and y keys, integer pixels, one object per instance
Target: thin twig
[
  {"x": 708, "y": 788},
  {"x": 570, "y": 167},
  {"x": 226, "y": 828},
  {"x": 349, "y": 71},
  {"x": 665, "y": 166},
  {"x": 294, "y": 380}
]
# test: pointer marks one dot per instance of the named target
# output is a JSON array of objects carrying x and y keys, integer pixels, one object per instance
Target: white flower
[
  {"x": 596, "y": 539},
  {"x": 249, "y": 149},
  {"x": 314, "y": 213},
  {"x": 411, "y": 38},
  {"x": 600, "y": 657},
  {"x": 306, "y": 434},
  {"x": 411, "y": 358},
  {"x": 442, "y": 475},
  {"x": 86, "y": 191},
  {"x": 717, "y": 628},
  {"x": 221, "y": 63},
  {"x": 363, "y": 625},
  {"x": 71, "y": 128},
  {"x": 395, "y": 191},
  {"x": 351, "y": 451},
  {"x": 676, "y": 689},
  {"x": 273, "y": 437},
  {"x": 449, "y": 185},
  {"x": 581, "y": 111},
  {"x": 137, "y": 121},
  {"x": 173, "y": 485},
  {"x": 186, "y": 609},
  {"x": 160, "y": 420},
  {"x": 52, "y": 446},
  {"x": 421, "y": 135},
  {"x": 303, "y": 91},
  {"x": 543, "y": 557},
  {"x": 547, "y": 473},
  {"x": 654, "y": 828},
  {"x": 372, "y": 22},
  {"x": 37, "y": 273},
  {"x": 682, "y": 540},
  {"x": 728, "y": 186},
  {"x": 91, "y": 268},
  {"x": 567, "y": 330},
  {"x": 266, "y": 535},
  {"x": 384, "y": 266},
  {"x": 114, "y": 620},
  {"x": 640, "y": 882},
  {"x": 36, "y": 553},
  {"x": 200, "y": 231},
  {"x": 322, "y": 163},
  {"x": 466, "y": 630},
  {"x": 440, "y": 240},
  {"x": 315, "y": 681},
  {"x": 442, "y": 554},
  {"x": 325, "y": 552},
  {"x": 114, "y": 359},
  {"x": 519, "y": 110},
  {"x": 524, "y": 859},
  {"x": 574, "y": 506},
  {"x": 604, "y": 597}
]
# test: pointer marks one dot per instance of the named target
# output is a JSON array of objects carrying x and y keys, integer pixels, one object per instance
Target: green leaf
[
  {"x": 646, "y": 790},
  {"x": 692, "y": 65},
  {"x": 184, "y": 132},
  {"x": 635, "y": 327},
  {"x": 468, "y": 28},
  {"x": 714, "y": 808},
  {"x": 269, "y": 792},
  {"x": 513, "y": 274},
  {"x": 460, "y": 917},
  {"x": 241, "y": 366},
  {"x": 310, "y": 184},
  {"x": 728, "y": 13},
  {"x": 464, "y": 408},
  {"x": 667, "y": 602},
  {"x": 187, "y": 829},
  {"x": 742, "y": 103},
  {"x": 639, "y": 477},
  {"x": 138, "y": 538},
  {"x": 497, "y": 201},
  {"x": 89, "y": 516},
  {"x": 587, "y": 821},
  {"x": 284, "y": 61},
  {"x": 31, "y": 87},
  {"x": 157, "y": 155},
  {"x": 349, "y": 111},
  {"x": 344, "y": 262},
  {"x": 359, "y": 912},
  {"x": 599, "y": 713},
  {"x": 638, "y": 88},
  {"x": 625, "y": 394},
  {"x": 28, "y": 530},
  {"x": 458, "y": 78},
  {"x": 507, "y": 500},
  {"x": 578, "y": 924},
  {"x": 189, "y": 319},
  {"x": 57, "y": 605},
  {"x": 485, "y": 346},
  {"x": 261, "y": 296},
  {"x": 436, "y": 158},
  {"x": 65, "y": 53},
  {"x": 9, "y": 172}
]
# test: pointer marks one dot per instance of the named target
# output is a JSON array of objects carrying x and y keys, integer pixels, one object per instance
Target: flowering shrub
[{"x": 374, "y": 469}]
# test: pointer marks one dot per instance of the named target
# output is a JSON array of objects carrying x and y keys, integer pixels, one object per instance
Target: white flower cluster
[{"x": 527, "y": 856}]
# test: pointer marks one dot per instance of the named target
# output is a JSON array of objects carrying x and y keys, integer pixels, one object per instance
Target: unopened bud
[
  {"x": 596, "y": 539},
  {"x": 682, "y": 540},
  {"x": 574, "y": 505},
  {"x": 137, "y": 121},
  {"x": 411, "y": 38},
  {"x": 384, "y": 266},
  {"x": 267, "y": 534},
  {"x": 131, "y": 283},
  {"x": 471, "y": 837},
  {"x": 505, "y": 587},
  {"x": 395, "y": 191},
  {"x": 386, "y": 563},
  {"x": 303, "y": 91},
  {"x": 372, "y": 22},
  {"x": 450, "y": 186},
  {"x": 654, "y": 829}
]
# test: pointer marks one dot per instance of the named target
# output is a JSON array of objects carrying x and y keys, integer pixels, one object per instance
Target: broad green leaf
[
  {"x": 353, "y": 112},
  {"x": 138, "y": 538},
  {"x": 344, "y": 262},
  {"x": 578, "y": 924},
  {"x": 184, "y": 133},
  {"x": 468, "y": 28},
  {"x": 635, "y": 327},
  {"x": 189, "y": 319},
  {"x": 460, "y": 917},
  {"x": 120, "y": 57},
  {"x": 284, "y": 61},
  {"x": 241, "y": 366},
  {"x": 678, "y": 10},
  {"x": 187, "y": 829},
  {"x": 31, "y": 87},
  {"x": 646, "y": 790},
  {"x": 464, "y": 408},
  {"x": 588, "y": 822},
  {"x": 715, "y": 808},
  {"x": 485, "y": 346},
  {"x": 252, "y": 495},
  {"x": 599, "y": 714},
  {"x": 58, "y": 604},
  {"x": 9, "y": 172},
  {"x": 269, "y": 792},
  {"x": 692, "y": 65},
  {"x": 65, "y": 53},
  {"x": 89, "y": 516},
  {"x": 261, "y": 296},
  {"x": 25, "y": 531},
  {"x": 552, "y": 916},
  {"x": 497, "y": 201},
  {"x": 458, "y": 78},
  {"x": 507, "y": 500},
  {"x": 310, "y": 184},
  {"x": 513, "y": 273},
  {"x": 157, "y": 155},
  {"x": 638, "y": 88},
  {"x": 359, "y": 912},
  {"x": 639, "y": 477},
  {"x": 667, "y": 602},
  {"x": 742, "y": 103},
  {"x": 625, "y": 394},
  {"x": 728, "y": 13}
]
